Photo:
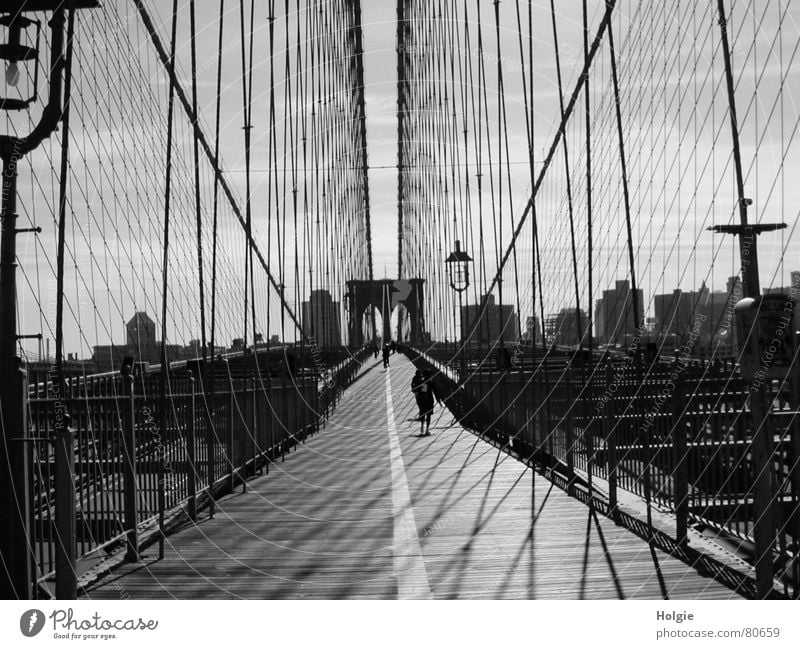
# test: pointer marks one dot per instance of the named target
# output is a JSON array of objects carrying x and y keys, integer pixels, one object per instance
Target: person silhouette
[
  {"x": 386, "y": 352},
  {"x": 416, "y": 382},
  {"x": 427, "y": 394}
]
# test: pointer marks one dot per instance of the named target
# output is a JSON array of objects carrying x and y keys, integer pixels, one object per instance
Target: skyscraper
[
  {"x": 321, "y": 319},
  {"x": 614, "y": 318},
  {"x": 497, "y": 322},
  {"x": 562, "y": 328}
]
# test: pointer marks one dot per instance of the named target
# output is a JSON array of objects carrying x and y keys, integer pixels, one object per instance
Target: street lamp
[
  {"x": 13, "y": 52},
  {"x": 458, "y": 271},
  {"x": 17, "y": 579}
]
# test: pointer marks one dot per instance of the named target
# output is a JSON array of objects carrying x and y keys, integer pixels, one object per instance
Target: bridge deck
[{"x": 369, "y": 509}]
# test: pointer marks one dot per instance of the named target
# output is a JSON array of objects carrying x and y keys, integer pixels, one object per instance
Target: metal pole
[
  {"x": 609, "y": 416},
  {"x": 462, "y": 359},
  {"x": 15, "y": 546},
  {"x": 680, "y": 451},
  {"x": 130, "y": 480},
  {"x": 795, "y": 478},
  {"x": 230, "y": 436},
  {"x": 191, "y": 453},
  {"x": 16, "y": 578},
  {"x": 66, "y": 568},
  {"x": 254, "y": 422},
  {"x": 764, "y": 524},
  {"x": 8, "y": 278},
  {"x": 209, "y": 403},
  {"x": 764, "y": 497},
  {"x": 570, "y": 443},
  {"x": 66, "y": 577},
  {"x": 748, "y": 256}
]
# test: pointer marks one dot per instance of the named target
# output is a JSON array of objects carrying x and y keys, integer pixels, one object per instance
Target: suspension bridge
[{"x": 589, "y": 214}]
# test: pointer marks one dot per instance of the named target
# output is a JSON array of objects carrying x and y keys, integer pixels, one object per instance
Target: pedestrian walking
[
  {"x": 386, "y": 355},
  {"x": 416, "y": 382},
  {"x": 427, "y": 395}
]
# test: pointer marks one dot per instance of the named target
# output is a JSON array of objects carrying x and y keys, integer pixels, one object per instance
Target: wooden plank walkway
[{"x": 369, "y": 509}]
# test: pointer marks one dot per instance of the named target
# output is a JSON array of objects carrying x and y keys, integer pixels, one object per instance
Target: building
[
  {"x": 793, "y": 293},
  {"x": 674, "y": 311},
  {"x": 322, "y": 319},
  {"x": 563, "y": 328},
  {"x": 141, "y": 338},
  {"x": 681, "y": 315},
  {"x": 533, "y": 332},
  {"x": 496, "y": 323},
  {"x": 140, "y": 343},
  {"x": 720, "y": 327},
  {"x": 614, "y": 320}
]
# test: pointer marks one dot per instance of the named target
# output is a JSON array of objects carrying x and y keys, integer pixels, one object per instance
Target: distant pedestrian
[
  {"x": 427, "y": 395},
  {"x": 416, "y": 382},
  {"x": 393, "y": 346},
  {"x": 375, "y": 349},
  {"x": 502, "y": 358},
  {"x": 386, "y": 355}
]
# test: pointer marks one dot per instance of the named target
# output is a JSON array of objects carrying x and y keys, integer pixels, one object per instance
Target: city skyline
[{"x": 671, "y": 313}]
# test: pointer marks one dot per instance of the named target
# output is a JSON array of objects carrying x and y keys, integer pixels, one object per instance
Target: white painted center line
[{"x": 409, "y": 566}]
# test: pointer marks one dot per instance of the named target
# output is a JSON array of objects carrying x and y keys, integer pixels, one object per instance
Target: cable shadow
[{"x": 607, "y": 553}]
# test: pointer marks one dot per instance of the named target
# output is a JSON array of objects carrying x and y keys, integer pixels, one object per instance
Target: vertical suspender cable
[
  {"x": 246, "y": 128},
  {"x": 201, "y": 376},
  {"x": 500, "y": 125},
  {"x": 249, "y": 129},
  {"x": 216, "y": 178},
  {"x": 66, "y": 576},
  {"x": 212, "y": 433},
  {"x": 210, "y": 406},
  {"x": 537, "y": 267},
  {"x": 402, "y": 107},
  {"x": 162, "y": 400},
  {"x": 197, "y": 204},
  {"x": 62, "y": 205},
  {"x": 589, "y": 251},
  {"x": 587, "y": 118},
  {"x": 271, "y": 155},
  {"x": 565, "y": 148},
  {"x": 625, "y": 192},
  {"x": 362, "y": 118},
  {"x": 632, "y": 261}
]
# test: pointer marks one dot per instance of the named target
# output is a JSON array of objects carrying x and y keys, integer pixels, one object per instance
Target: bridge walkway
[{"x": 368, "y": 508}]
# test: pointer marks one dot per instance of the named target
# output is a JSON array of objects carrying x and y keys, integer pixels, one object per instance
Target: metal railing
[
  {"x": 137, "y": 461},
  {"x": 677, "y": 435}
]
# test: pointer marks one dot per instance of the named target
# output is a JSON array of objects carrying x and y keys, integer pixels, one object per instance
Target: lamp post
[
  {"x": 16, "y": 575},
  {"x": 458, "y": 270},
  {"x": 764, "y": 529}
]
